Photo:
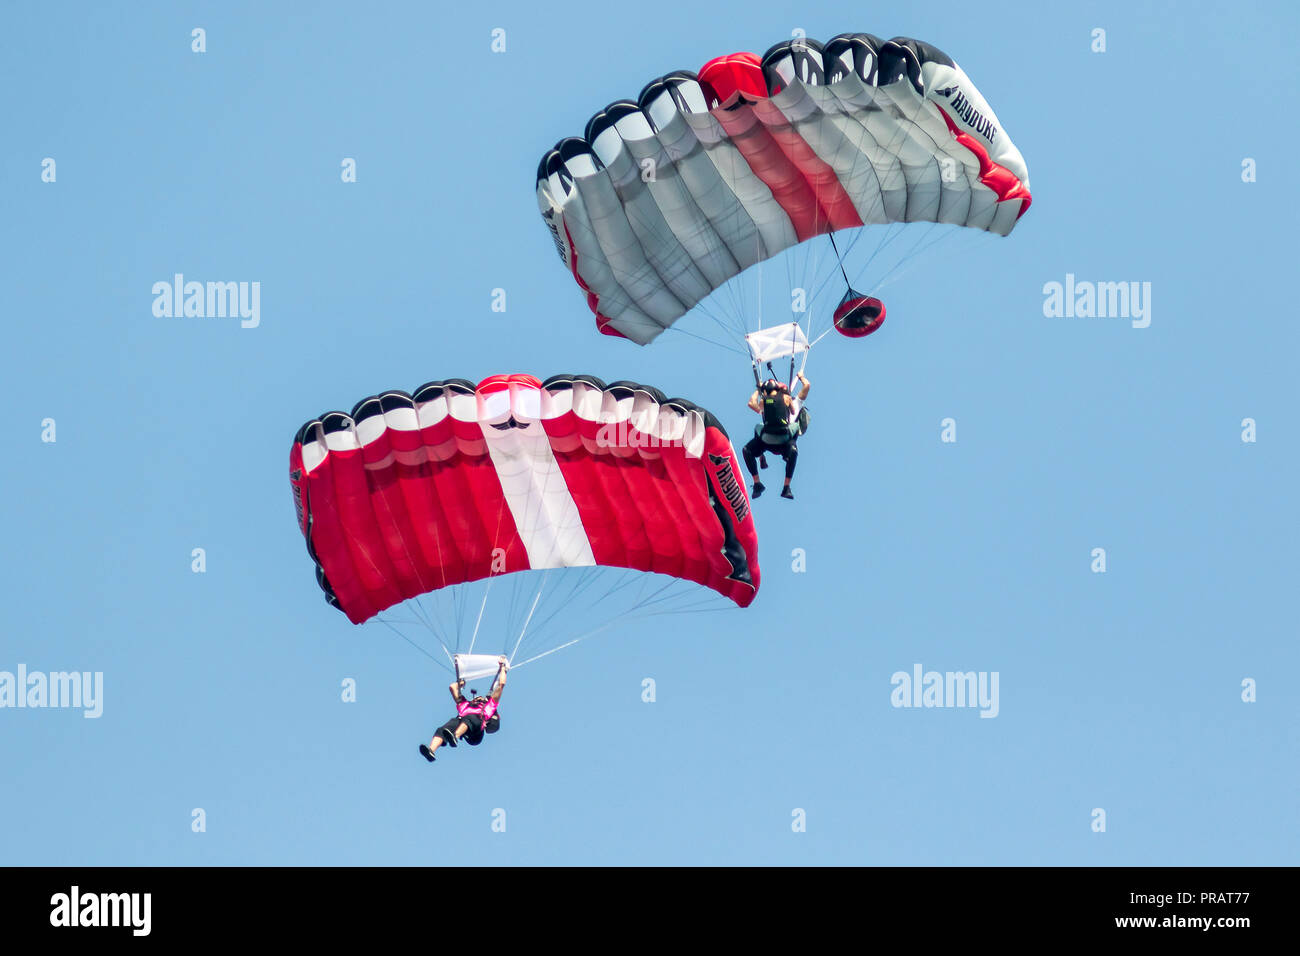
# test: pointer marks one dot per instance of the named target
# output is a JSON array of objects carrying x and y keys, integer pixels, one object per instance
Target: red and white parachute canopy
[
  {"x": 669, "y": 196},
  {"x": 411, "y": 493}
]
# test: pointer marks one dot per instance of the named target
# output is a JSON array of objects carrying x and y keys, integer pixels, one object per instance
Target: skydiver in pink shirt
[{"x": 474, "y": 717}]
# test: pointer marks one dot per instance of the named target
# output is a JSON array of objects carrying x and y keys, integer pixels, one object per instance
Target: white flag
[
  {"x": 780, "y": 341},
  {"x": 475, "y": 666}
]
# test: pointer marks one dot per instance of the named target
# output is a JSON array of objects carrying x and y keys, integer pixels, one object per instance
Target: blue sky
[{"x": 1119, "y": 691}]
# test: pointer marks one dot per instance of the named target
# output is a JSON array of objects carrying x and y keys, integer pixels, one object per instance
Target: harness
[
  {"x": 776, "y": 418},
  {"x": 484, "y": 710}
]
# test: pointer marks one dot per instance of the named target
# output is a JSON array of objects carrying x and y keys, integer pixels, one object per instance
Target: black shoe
[
  {"x": 787, "y": 493},
  {"x": 758, "y": 489},
  {"x": 762, "y": 461},
  {"x": 428, "y": 754}
]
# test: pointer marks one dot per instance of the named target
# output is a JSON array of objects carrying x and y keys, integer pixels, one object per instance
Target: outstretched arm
[
  {"x": 754, "y": 404},
  {"x": 499, "y": 684},
  {"x": 807, "y": 387},
  {"x": 455, "y": 687}
]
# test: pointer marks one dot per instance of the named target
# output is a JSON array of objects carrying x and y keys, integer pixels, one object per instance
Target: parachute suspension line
[
  {"x": 462, "y": 604},
  {"x": 430, "y": 609},
  {"x": 627, "y": 582},
  {"x": 557, "y": 599},
  {"x": 516, "y": 590},
  {"x": 578, "y": 584},
  {"x": 605, "y": 627},
  {"x": 883, "y": 245},
  {"x": 665, "y": 593},
  {"x": 839, "y": 259},
  {"x": 913, "y": 259},
  {"x": 581, "y": 637},
  {"x": 790, "y": 383},
  {"x": 486, "y": 591},
  {"x": 655, "y": 597},
  {"x": 421, "y": 619},
  {"x": 528, "y": 619},
  {"x": 723, "y": 345},
  {"x": 389, "y": 625},
  {"x": 728, "y": 329},
  {"x": 814, "y": 286},
  {"x": 926, "y": 234},
  {"x": 433, "y": 621},
  {"x": 421, "y": 615},
  {"x": 821, "y": 285},
  {"x": 818, "y": 339},
  {"x": 585, "y": 579}
]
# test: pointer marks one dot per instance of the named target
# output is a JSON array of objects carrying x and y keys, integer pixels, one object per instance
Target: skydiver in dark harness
[{"x": 779, "y": 430}]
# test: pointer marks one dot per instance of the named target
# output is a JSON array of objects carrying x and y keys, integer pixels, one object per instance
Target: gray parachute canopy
[{"x": 667, "y": 198}]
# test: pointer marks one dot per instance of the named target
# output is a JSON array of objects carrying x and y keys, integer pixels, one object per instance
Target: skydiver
[
  {"x": 474, "y": 717},
  {"x": 779, "y": 430}
]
